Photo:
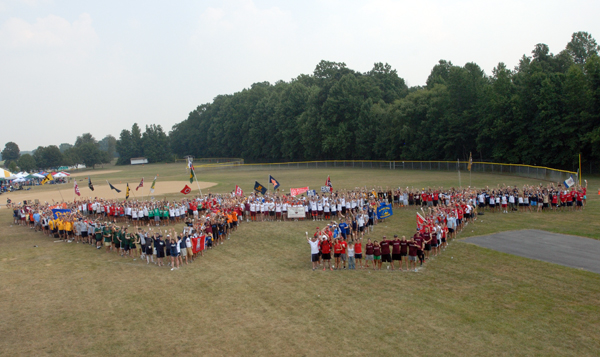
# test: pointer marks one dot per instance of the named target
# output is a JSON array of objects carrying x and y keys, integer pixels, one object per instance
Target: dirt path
[{"x": 104, "y": 191}]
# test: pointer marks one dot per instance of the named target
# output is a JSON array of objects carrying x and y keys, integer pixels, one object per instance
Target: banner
[
  {"x": 198, "y": 244},
  {"x": 298, "y": 191},
  {"x": 57, "y": 212},
  {"x": 384, "y": 211},
  {"x": 296, "y": 212},
  {"x": 325, "y": 189},
  {"x": 311, "y": 193}
]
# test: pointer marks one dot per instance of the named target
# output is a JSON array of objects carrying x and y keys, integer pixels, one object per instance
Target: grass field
[{"x": 256, "y": 295}]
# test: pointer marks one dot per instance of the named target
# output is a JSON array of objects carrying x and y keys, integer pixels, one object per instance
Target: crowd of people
[{"x": 146, "y": 229}]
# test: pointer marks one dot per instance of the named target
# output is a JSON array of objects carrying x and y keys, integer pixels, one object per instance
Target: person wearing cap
[
  {"x": 314, "y": 250},
  {"x": 326, "y": 251}
]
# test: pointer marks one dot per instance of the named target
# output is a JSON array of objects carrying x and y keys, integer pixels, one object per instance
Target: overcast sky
[{"x": 69, "y": 67}]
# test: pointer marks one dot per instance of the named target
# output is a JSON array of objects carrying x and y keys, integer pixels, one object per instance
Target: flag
[
  {"x": 198, "y": 243},
  {"x": 47, "y": 179},
  {"x": 274, "y": 182},
  {"x": 298, "y": 191},
  {"x": 470, "y": 161},
  {"x": 259, "y": 188},
  {"x": 186, "y": 190},
  {"x": 420, "y": 220},
  {"x": 76, "y": 188},
  {"x": 328, "y": 183},
  {"x": 127, "y": 191},
  {"x": 59, "y": 212},
  {"x": 190, "y": 163},
  {"x": 141, "y": 184},
  {"x": 152, "y": 187},
  {"x": 238, "y": 191},
  {"x": 569, "y": 182},
  {"x": 113, "y": 187},
  {"x": 90, "y": 183},
  {"x": 384, "y": 211},
  {"x": 192, "y": 174}
]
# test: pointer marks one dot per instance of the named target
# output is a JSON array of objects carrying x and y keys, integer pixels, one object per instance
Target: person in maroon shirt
[
  {"x": 337, "y": 253},
  {"x": 376, "y": 255},
  {"x": 396, "y": 252},
  {"x": 404, "y": 251},
  {"x": 412, "y": 254},
  {"x": 385, "y": 251},
  {"x": 420, "y": 244},
  {"x": 368, "y": 253}
]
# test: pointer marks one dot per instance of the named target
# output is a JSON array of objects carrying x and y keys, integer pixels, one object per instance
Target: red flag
[
  {"x": 328, "y": 184},
  {"x": 186, "y": 190},
  {"x": 420, "y": 220},
  {"x": 141, "y": 184},
  {"x": 238, "y": 191},
  {"x": 77, "y": 189},
  {"x": 198, "y": 244}
]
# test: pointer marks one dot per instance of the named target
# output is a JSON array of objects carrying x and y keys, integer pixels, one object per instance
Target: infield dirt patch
[
  {"x": 104, "y": 191},
  {"x": 95, "y": 173}
]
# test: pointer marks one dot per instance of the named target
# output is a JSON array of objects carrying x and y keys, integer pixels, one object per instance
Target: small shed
[{"x": 139, "y": 160}]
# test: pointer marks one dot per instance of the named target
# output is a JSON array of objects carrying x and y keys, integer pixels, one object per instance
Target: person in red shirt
[
  {"x": 376, "y": 255},
  {"x": 396, "y": 252},
  {"x": 326, "y": 253},
  {"x": 418, "y": 238},
  {"x": 426, "y": 238},
  {"x": 584, "y": 191},
  {"x": 344, "y": 255},
  {"x": 369, "y": 253},
  {"x": 337, "y": 253},
  {"x": 358, "y": 252}
]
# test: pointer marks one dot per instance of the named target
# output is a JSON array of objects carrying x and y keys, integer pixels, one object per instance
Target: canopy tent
[
  {"x": 59, "y": 175},
  {"x": 20, "y": 179},
  {"x": 5, "y": 174},
  {"x": 65, "y": 173},
  {"x": 38, "y": 175}
]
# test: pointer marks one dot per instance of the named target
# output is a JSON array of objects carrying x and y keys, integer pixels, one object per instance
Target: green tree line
[{"x": 545, "y": 111}]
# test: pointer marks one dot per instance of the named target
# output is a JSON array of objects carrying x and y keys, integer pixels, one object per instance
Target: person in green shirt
[
  {"x": 165, "y": 216},
  {"x": 98, "y": 235},
  {"x": 157, "y": 216},
  {"x": 124, "y": 236},
  {"x": 107, "y": 234}
]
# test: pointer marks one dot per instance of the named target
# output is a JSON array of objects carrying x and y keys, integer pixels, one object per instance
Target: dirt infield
[
  {"x": 571, "y": 251},
  {"x": 103, "y": 191},
  {"x": 95, "y": 173}
]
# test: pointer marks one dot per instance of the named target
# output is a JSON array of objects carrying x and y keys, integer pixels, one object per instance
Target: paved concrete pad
[{"x": 571, "y": 251}]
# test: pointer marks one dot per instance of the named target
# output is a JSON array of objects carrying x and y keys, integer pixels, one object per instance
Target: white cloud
[{"x": 51, "y": 32}]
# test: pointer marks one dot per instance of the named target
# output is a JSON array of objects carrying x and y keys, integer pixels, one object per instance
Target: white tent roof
[
  {"x": 5, "y": 174},
  {"x": 38, "y": 175},
  {"x": 59, "y": 175}
]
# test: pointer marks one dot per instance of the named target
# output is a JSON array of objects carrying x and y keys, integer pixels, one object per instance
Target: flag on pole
[
  {"x": 238, "y": 191},
  {"x": 190, "y": 163},
  {"x": 192, "y": 174},
  {"x": 470, "y": 161},
  {"x": 90, "y": 183},
  {"x": 153, "y": 183},
  {"x": 76, "y": 188},
  {"x": 186, "y": 190},
  {"x": 46, "y": 179},
  {"x": 420, "y": 220},
  {"x": 141, "y": 184},
  {"x": 113, "y": 187},
  {"x": 274, "y": 182},
  {"x": 569, "y": 182},
  {"x": 127, "y": 191},
  {"x": 328, "y": 184},
  {"x": 259, "y": 188}
]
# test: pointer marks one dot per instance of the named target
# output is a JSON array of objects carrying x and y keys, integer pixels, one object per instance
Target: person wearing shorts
[
  {"x": 396, "y": 252},
  {"x": 358, "y": 252},
  {"x": 386, "y": 257},
  {"x": 412, "y": 254},
  {"x": 314, "y": 251},
  {"x": 326, "y": 252},
  {"x": 376, "y": 255},
  {"x": 369, "y": 253},
  {"x": 404, "y": 251}
]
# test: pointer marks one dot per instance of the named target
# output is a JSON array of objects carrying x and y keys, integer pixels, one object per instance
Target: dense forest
[{"x": 543, "y": 112}]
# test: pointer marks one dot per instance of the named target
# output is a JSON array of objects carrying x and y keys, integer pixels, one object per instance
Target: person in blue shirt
[
  {"x": 344, "y": 230},
  {"x": 37, "y": 221}
]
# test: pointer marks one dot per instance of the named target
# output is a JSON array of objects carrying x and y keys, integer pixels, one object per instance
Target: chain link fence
[{"x": 536, "y": 172}]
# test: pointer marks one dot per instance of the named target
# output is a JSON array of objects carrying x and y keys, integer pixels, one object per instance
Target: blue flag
[
  {"x": 259, "y": 188},
  {"x": 59, "y": 212},
  {"x": 274, "y": 182},
  {"x": 384, "y": 211}
]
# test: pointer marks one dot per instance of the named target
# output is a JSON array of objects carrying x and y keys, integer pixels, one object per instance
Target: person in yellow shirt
[
  {"x": 68, "y": 230},
  {"x": 51, "y": 226},
  {"x": 61, "y": 227}
]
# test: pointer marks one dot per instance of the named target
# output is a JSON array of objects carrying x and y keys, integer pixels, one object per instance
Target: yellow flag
[
  {"x": 47, "y": 179},
  {"x": 470, "y": 161}
]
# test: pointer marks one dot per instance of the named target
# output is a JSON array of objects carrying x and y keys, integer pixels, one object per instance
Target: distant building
[{"x": 139, "y": 160}]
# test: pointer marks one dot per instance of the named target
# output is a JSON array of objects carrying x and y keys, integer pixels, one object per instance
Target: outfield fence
[{"x": 537, "y": 172}]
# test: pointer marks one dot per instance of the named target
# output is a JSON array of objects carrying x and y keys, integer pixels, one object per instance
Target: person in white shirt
[{"x": 314, "y": 250}]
